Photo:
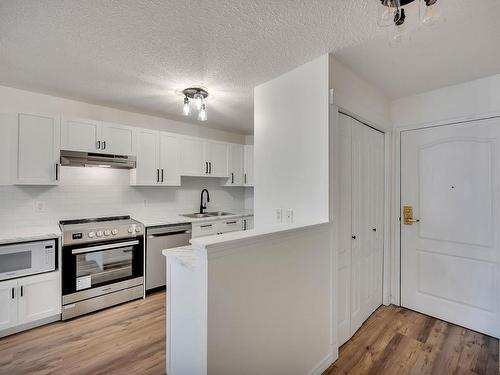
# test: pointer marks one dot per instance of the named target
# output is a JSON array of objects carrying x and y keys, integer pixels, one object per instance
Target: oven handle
[{"x": 103, "y": 247}]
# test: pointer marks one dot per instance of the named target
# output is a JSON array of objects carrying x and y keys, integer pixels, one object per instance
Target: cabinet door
[
  {"x": 193, "y": 162},
  {"x": 248, "y": 172},
  {"x": 147, "y": 169},
  {"x": 80, "y": 134},
  {"x": 217, "y": 154},
  {"x": 235, "y": 165},
  {"x": 169, "y": 159},
  {"x": 39, "y": 297},
  {"x": 8, "y": 304},
  {"x": 248, "y": 223},
  {"x": 36, "y": 151},
  {"x": 117, "y": 139}
]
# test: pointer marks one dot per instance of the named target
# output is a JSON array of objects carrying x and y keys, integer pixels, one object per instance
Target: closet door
[{"x": 360, "y": 259}]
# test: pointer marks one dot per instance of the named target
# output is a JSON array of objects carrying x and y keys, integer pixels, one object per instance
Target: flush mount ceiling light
[
  {"x": 393, "y": 14},
  {"x": 199, "y": 96}
]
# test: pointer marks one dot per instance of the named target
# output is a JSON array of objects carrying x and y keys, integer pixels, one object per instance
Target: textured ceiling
[{"x": 134, "y": 54}]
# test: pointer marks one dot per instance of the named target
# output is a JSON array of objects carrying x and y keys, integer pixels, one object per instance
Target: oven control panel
[{"x": 101, "y": 231}]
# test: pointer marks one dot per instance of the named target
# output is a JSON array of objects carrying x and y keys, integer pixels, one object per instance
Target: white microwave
[{"x": 27, "y": 259}]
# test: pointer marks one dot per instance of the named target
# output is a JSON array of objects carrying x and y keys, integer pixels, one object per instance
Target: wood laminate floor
[
  {"x": 395, "y": 340},
  {"x": 130, "y": 339}
]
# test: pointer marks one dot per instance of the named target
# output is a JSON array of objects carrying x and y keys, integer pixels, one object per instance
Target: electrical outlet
[
  {"x": 289, "y": 216},
  {"x": 279, "y": 215},
  {"x": 39, "y": 206}
]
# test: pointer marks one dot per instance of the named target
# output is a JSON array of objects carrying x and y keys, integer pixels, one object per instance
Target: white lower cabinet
[
  {"x": 29, "y": 299},
  {"x": 39, "y": 297},
  {"x": 8, "y": 304},
  {"x": 209, "y": 228},
  {"x": 248, "y": 223}
]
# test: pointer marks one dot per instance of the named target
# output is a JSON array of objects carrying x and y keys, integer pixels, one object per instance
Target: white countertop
[
  {"x": 29, "y": 233},
  {"x": 183, "y": 254},
  {"x": 168, "y": 219}
]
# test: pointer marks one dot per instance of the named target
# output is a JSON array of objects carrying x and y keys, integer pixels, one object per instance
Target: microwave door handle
[{"x": 103, "y": 247}]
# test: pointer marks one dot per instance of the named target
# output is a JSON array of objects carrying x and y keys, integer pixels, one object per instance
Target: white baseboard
[
  {"x": 323, "y": 364},
  {"x": 25, "y": 327}
]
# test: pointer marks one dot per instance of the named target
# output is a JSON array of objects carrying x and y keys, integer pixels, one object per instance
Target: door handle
[
  {"x": 162, "y": 175},
  {"x": 232, "y": 177},
  {"x": 245, "y": 178},
  {"x": 206, "y": 167},
  {"x": 157, "y": 176},
  {"x": 57, "y": 171},
  {"x": 104, "y": 145},
  {"x": 98, "y": 146},
  {"x": 13, "y": 293},
  {"x": 209, "y": 167},
  {"x": 408, "y": 216},
  {"x": 22, "y": 291}
]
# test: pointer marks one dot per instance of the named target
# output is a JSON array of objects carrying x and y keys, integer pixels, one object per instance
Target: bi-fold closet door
[{"x": 361, "y": 218}]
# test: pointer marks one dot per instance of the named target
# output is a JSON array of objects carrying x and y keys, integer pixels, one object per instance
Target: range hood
[{"x": 90, "y": 159}]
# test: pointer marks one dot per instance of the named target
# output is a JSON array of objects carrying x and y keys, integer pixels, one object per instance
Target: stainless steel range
[{"x": 102, "y": 263}]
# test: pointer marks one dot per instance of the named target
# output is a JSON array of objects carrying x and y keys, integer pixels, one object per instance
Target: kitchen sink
[
  {"x": 208, "y": 214},
  {"x": 219, "y": 213},
  {"x": 197, "y": 216}
]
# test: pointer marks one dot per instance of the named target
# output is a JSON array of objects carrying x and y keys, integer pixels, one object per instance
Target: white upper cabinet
[
  {"x": 202, "y": 157},
  {"x": 96, "y": 136},
  {"x": 248, "y": 169},
  {"x": 236, "y": 152},
  {"x": 217, "y": 157},
  {"x": 157, "y": 159},
  {"x": 117, "y": 139},
  {"x": 80, "y": 135},
  {"x": 193, "y": 161},
  {"x": 169, "y": 159},
  {"x": 35, "y": 153},
  {"x": 146, "y": 171}
]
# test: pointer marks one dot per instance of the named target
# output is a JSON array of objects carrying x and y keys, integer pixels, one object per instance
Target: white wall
[
  {"x": 90, "y": 192},
  {"x": 357, "y": 97},
  {"x": 291, "y": 129},
  {"x": 468, "y": 100},
  {"x": 14, "y": 100}
]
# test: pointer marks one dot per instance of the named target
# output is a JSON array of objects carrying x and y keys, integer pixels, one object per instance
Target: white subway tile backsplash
[{"x": 89, "y": 192}]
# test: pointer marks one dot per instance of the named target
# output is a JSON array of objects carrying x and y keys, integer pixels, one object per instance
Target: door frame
[
  {"x": 395, "y": 212},
  {"x": 387, "y": 271}
]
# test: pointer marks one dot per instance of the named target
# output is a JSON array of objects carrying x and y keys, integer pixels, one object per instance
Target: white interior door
[
  {"x": 360, "y": 258},
  {"x": 450, "y": 259}
]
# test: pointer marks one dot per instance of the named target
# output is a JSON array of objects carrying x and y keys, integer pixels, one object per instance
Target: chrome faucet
[{"x": 204, "y": 206}]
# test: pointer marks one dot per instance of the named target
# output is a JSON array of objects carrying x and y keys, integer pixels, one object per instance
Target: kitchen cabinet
[
  {"x": 8, "y": 304},
  {"x": 35, "y": 152},
  {"x": 248, "y": 223},
  {"x": 29, "y": 299},
  {"x": 157, "y": 159},
  {"x": 236, "y": 153},
  {"x": 96, "y": 136},
  {"x": 206, "y": 158},
  {"x": 209, "y": 228},
  {"x": 39, "y": 297},
  {"x": 248, "y": 166}
]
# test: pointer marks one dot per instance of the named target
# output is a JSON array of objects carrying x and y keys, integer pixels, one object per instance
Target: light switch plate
[
  {"x": 289, "y": 216},
  {"x": 279, "y": 215}
]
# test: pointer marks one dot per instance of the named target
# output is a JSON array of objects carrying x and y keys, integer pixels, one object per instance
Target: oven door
[{"x": 98, "y": 265}]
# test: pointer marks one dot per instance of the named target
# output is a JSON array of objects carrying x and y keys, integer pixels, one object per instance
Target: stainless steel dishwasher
[{"x": 158, "y": 239}]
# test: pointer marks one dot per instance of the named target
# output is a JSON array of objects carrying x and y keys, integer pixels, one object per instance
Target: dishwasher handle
[{"x": 166, "y": 234}]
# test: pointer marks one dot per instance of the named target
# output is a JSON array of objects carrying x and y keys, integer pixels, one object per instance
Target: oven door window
[
  {"x": 103, "y": 267},
  {"x": 12, "y": 262}
]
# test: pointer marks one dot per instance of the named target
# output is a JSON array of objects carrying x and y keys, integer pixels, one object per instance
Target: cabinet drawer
[
  {"x": 230, "y": 225},
  {"x": 205, "y": 229}
]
